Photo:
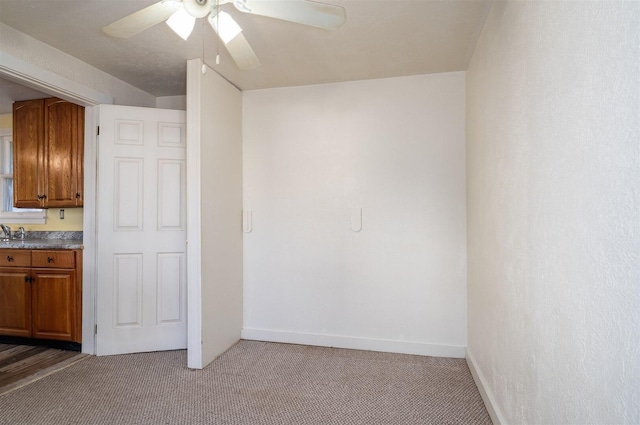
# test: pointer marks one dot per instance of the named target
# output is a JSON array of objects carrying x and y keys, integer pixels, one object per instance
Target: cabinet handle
[
  {"x": 28, "y": 279},
  {"x": 77, "y": 195},
  {"x": 9, "y": 258},
  {"x": 41, "y": 197},
  {"x": 49, "y": 260}
]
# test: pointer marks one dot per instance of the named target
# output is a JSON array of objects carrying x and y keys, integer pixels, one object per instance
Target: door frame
[{"x": 53, "y": 84}]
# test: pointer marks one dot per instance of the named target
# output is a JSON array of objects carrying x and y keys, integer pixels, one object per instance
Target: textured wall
[
  {"x": 26, "y": 48},
  {"x": 6, "y": 121},
  {"x": 73, "y": 220},
  {"x": 553, "y": 177},
  {"x": 393, "y": 147},
  {"x": 172, "y": 102}
]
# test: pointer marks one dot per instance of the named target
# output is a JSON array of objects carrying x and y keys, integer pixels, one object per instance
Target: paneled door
[{"x": 141, "y": 231}]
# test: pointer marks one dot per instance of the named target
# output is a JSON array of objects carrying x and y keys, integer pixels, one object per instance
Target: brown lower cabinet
[{"x": 41, "y": 294}]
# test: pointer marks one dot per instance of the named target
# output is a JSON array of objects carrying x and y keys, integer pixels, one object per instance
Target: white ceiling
[{"x": 379, "y": 39}]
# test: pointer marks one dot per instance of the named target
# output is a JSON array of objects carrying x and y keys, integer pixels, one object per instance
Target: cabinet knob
[
  {"x": 77, "y": 195},
  {"x": 49, "y": 260},
  {"x": 41, "y": 197},
  {"x": 9, "y": 258}
]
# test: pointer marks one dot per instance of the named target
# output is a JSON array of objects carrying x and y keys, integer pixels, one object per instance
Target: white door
[{"x": 141, "y": 231}]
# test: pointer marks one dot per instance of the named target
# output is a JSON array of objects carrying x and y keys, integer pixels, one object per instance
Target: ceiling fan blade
[
  {"x": 231, "y": 35},
  {"x": 315, "y": 14},
  {"x": 143, "y": 19},
  {"x": 242, "y": 53}
]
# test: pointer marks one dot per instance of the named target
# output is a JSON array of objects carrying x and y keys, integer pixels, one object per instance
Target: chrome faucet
[
  {"x": 20, "y": 232},
  {"x": 7, "y": 232}
]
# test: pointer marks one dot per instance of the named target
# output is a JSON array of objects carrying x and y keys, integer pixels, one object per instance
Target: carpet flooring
[{"x": 253, "y": 383}]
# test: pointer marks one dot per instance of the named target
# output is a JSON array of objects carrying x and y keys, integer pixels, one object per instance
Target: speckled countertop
[{"x": 45, "y": 240}]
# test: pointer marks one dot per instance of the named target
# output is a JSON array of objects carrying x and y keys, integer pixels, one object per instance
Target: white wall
[
  {"x": 553, "y": 179},
  {"x": 172, "y": 102},
  {"x": 393, "y": 147},
  {"x": 47, "y": 58},
  {"x": 214, "y": 207}
]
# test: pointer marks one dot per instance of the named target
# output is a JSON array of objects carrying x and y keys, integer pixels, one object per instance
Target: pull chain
[
  {"x": 218, "y": 35},
  {"x": 204, "y": 66}
]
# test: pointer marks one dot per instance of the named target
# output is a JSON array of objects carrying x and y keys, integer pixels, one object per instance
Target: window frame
[{"x": 6, "y": 172}]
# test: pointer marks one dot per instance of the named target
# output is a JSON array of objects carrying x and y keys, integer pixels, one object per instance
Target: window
[{"x": 9, "y": 214}]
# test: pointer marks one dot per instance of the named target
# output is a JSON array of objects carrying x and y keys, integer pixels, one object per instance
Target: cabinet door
[
  {"x": 54, "y": 304},
  {"x": 15, "y": 302},
  {"x": 64, "y": 139},
  {"x": 28, "y": 153}
]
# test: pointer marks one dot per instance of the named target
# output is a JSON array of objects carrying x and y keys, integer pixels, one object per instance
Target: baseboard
[
  {"x": 487, "y": 396},
  {"x": 355, "y": 343}
]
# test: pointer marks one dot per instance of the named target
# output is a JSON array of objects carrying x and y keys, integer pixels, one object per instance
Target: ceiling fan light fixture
[
  {"x": 225, "y": 26},
  {"x": 197, "y": 8},
  {"x": 181, "y": 23}
]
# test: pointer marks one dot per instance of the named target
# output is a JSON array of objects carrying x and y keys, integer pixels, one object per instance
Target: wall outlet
[{"x": 61, "y": 214}]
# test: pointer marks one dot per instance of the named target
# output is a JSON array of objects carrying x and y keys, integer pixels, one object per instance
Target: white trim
[
  {"x": 7, "y": 157},
  {"x": 89, "y": 276},
  {"x": 23, "y": 217},
  {"x": 485, "y": 392},
  {"x": 194, "y": 241},
  {"x": 355, "y": 343},
  {"x": 46, "y": 81}
]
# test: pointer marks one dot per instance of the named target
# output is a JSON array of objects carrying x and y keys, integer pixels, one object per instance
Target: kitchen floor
[{"x": 22, "y": 364}]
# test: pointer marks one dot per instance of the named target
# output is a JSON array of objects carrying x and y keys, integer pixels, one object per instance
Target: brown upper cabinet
[{"x": 48, "y": 154}]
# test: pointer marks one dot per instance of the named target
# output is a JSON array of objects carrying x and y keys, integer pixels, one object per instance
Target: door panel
[
  {"x": 128, "y": 196},
  {"x": 141, "y": 230},
  {"x": 127, "y": 287},
  {"x": 172, "y": 274},
  {"x": 171, "y": 182}
]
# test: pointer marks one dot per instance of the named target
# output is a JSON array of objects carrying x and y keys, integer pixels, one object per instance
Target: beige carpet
[{"x": 253, "y": 383}]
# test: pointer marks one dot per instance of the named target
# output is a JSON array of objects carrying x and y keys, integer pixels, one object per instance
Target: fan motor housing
[{"x": 197, "y": 8}]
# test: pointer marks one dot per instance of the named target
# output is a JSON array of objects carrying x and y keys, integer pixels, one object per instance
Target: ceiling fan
[{"x": 181, "y": 15}]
